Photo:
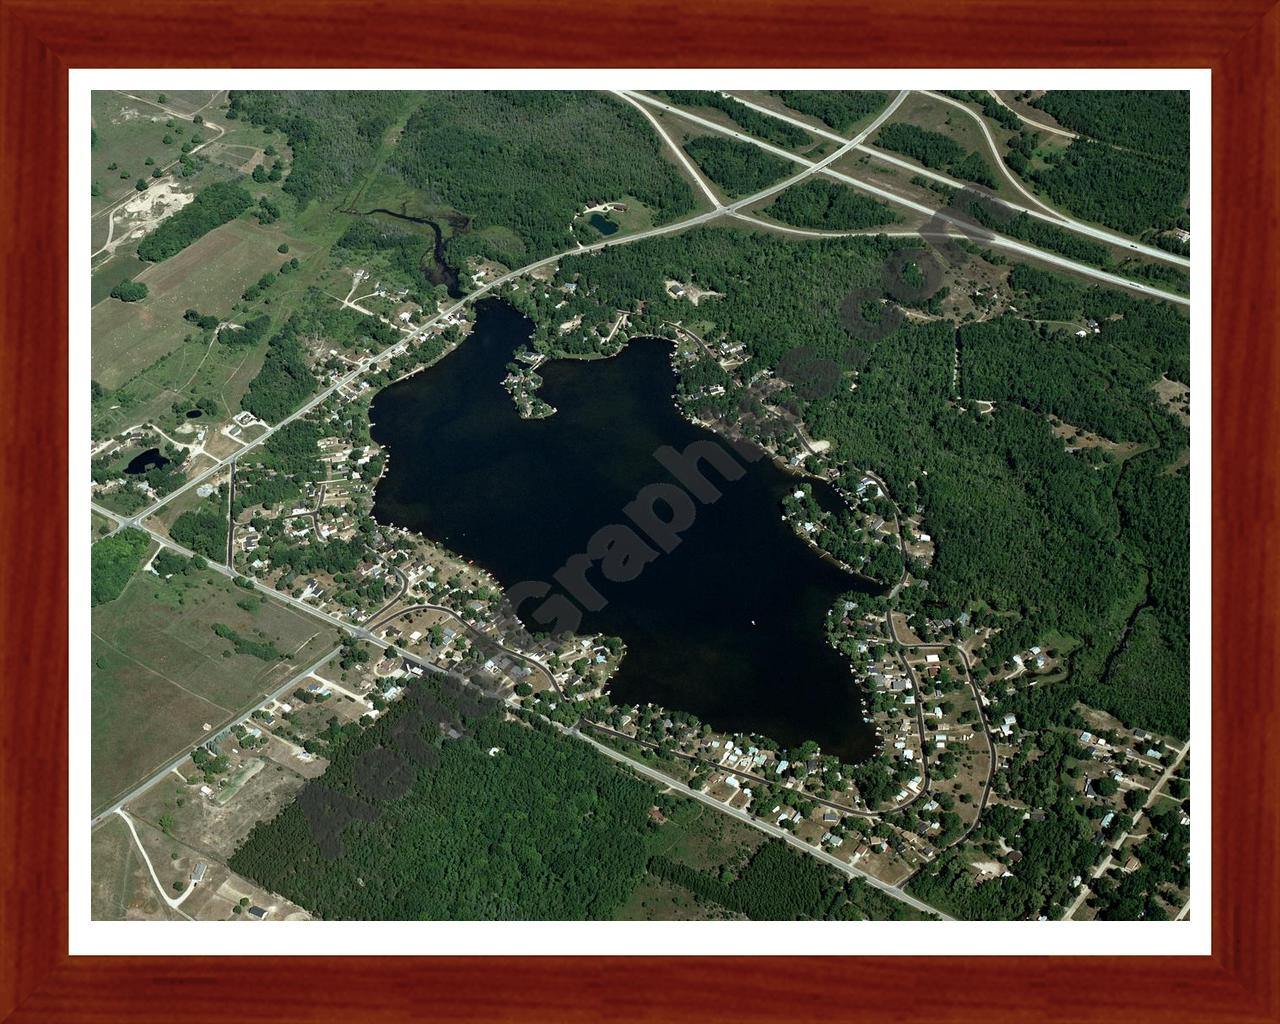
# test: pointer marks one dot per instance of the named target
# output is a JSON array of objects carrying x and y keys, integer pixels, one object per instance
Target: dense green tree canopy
[
  {"x": 213, "y": 206},
  {"x": 112, "y": 563}
]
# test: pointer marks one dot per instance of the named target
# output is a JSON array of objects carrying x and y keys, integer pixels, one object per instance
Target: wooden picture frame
[{"x": 1240, "y": 41}]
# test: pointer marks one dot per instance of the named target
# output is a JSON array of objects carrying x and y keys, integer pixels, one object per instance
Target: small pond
[
  {"x": 144, "y": 461},
  {"x": 602, "y": 224}
]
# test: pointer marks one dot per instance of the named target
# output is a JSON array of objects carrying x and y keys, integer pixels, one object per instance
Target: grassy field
[
  {"x": 208, "y": 275},
  {"x": 189, "y": 101},
  {"x": 703, "y": 838},
  {"x": 160, "y": 673},
  {"x": 127, "y": 132},
  {"x": 121, "y": 888},
  {"x": 936, "y": 116},
  {"x": 139, "y": 352}
]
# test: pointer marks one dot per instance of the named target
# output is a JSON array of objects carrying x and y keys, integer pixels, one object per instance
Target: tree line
[
  {"x": 763, "y": 126},
  {"x": 212, "y": 207},
  {"x": 936, "y": 151},
  {"x": 739, "y": 168},
  {"x": 838, "y": 109}
]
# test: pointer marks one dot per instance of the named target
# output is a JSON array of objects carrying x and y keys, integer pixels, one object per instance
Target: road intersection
[{"x": 718, "y": 210}]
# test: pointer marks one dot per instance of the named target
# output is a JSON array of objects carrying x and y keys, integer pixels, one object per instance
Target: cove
[{"x": 727, "y": 626}]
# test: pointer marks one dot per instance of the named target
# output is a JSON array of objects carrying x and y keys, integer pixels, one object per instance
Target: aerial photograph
[{"x": 639, "y": 505}]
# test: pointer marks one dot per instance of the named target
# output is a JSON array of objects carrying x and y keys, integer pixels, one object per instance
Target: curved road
[{"x": 1027, "y": 250}]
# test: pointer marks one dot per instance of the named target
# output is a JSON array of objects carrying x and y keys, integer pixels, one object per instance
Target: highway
[
  {"x": 719, "y": 209},
  {"x": 363, "y": 365},
  {"x": 957, "y": 225},
  {"x": 1046, "y": 213}
]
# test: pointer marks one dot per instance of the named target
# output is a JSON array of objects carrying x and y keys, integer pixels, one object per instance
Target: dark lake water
[
  {"x": 728, "y": 625},
  {"x": 603, "y": 224},
  {"x": 143, "y": 461},
  {"x": 194, "y": 414}
]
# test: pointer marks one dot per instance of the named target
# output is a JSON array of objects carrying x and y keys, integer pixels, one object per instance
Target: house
[
  {"x": 257, "y": 913},
  {"x": 931, "y": 659},
  {"x": 197, "y": 873}
]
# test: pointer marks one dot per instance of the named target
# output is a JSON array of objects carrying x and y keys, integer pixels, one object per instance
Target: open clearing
[
  {"x": 936, "y": 116},
  {"x": 208, "y": 275},
  {"x": 160, "y": 673},
  {"x": 121, "y": 888},
  {"x": 126, "y": 133},
  {"x": 213, "y": 827}
]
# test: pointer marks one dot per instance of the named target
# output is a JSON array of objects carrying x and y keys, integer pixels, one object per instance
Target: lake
[{"x": 727, "y": 626}]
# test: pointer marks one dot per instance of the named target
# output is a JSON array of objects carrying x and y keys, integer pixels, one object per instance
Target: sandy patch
[
  {"x": 680, "y": 290},
  {"x": 1174, "y": 396},
  {"x": 143, "y": 213}
]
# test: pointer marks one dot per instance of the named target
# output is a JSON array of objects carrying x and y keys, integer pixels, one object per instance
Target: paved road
[
  {"x": 169, "y": 766},
  {"x": 1119, "y": 841},
  {"x": 953, "y": 223},
  {"x": 1034, "y": 124},
  {"x": 714, "y": 766},
  {"x": 778, "y": 833},
  {"x": 363, "y": 633}
]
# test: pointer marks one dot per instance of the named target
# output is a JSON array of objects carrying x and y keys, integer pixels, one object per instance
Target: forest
[
  {"x": 935, "y": 150},
  {"x": 334, "y": 135},
  {"x": 1117, "y": 187},
  {"x": 1156, "y": 122},
  {"x": 522, "y": 165},
  {"x": 762, "y": 126},
  {"x": 506, "y": 822},
  {"x": 212, "y": 207},
  {"x": 112, "y": 563},
  {"x": 739, "y": 168},
  {"x": 284, "y": 380},
  {"x": 821, "y": 204},
  {"x": 1036, "y": 532},
  {"x": 203, "y": 530},
  {"x": 837, "y": 109},
  {"x": 778, "y": 884}
]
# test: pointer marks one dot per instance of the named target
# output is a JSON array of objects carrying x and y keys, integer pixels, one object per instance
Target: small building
[
  {"x": 197, "y": 873},
  {"x": 257, "y": 913}
]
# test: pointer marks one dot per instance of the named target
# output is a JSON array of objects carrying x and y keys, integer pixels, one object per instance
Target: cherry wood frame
[{"x": 41, "y": 39}]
